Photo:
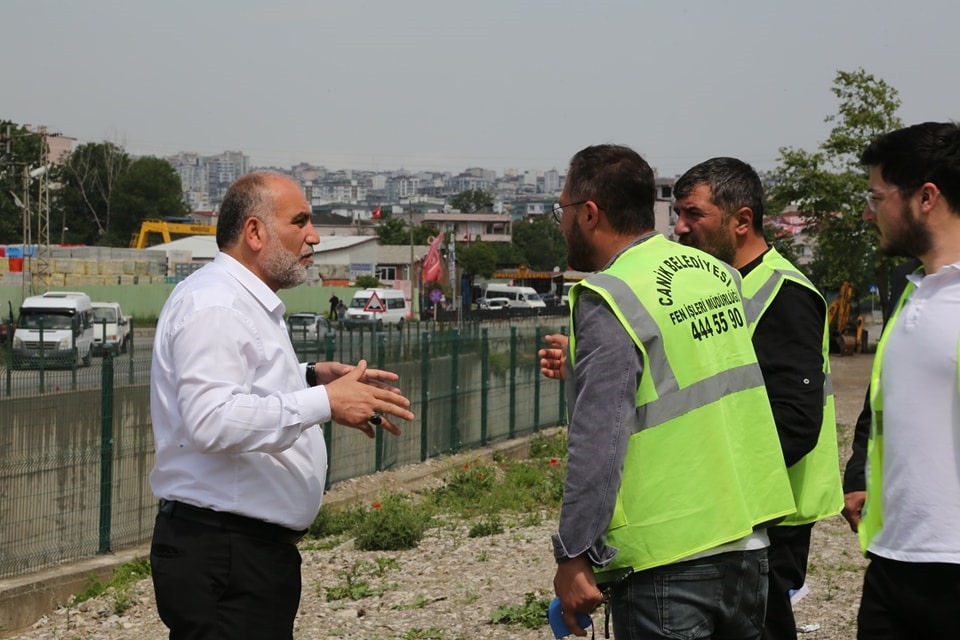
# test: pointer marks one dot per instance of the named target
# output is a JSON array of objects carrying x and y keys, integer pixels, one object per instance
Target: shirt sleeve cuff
[
  {"x": 599, "y": 554},
  {"x": 314, "y": 405}
]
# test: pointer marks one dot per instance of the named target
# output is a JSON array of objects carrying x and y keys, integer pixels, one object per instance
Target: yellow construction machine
[
  {"x": 166, "y": 228},
  {"x": 847, "y": 334}
]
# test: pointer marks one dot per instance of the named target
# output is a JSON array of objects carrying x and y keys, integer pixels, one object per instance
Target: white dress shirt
[
  {"x": 921, "y": 424},
  {"x": 235, "y": 425}
]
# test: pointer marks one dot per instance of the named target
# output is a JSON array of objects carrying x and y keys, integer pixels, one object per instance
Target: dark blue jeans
[{"x": 720, "y": 597}]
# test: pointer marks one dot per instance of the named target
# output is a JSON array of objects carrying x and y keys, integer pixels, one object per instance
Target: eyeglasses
[
  {"x": 873, "y": 196},
  {"x": 558, "y": 209}
]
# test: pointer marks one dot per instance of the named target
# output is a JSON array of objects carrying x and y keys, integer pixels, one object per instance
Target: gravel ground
[{"x": 450, "y": 585}]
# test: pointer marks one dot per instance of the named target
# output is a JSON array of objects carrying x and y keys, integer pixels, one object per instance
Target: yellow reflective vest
[
  {"x": 703, "y": 466},
  {"x": 815, "y": 478},
  {"x": 871, "y": 517}
]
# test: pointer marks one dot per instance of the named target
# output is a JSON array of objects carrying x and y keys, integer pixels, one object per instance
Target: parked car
[
  {"x": 520, "y": 297},
  {"x": 493, "y": 304},
  {"x": 64, "y": 319},
  {"x": 550, "y": 299},
  {"x": 377, "y": 306},
  {"x": 112, "y": 329},
  {"x": 308, "y": 327},
  {"x": 7, "y": 327}
]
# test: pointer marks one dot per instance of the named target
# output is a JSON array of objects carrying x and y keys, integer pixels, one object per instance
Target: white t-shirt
[
  {"x": 234, "y": 422},
  {"x": 921, "y": 423}
]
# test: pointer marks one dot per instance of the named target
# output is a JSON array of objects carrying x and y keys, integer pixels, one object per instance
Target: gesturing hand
[
  {"x": 359, "y": 393},
  {"x": 553, "y": 359}
]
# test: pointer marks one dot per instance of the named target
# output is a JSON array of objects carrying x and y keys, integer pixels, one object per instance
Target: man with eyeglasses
[
  {"x": 719, "y": 206},
  {"x": 909, "y": 522},
  {"x": 674, "y": 464}
]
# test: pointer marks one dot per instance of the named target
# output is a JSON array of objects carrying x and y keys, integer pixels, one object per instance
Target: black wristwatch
[{"x": 311, "y": 374}]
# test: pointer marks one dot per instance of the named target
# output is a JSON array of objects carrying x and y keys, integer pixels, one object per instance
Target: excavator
[
  {"x": 847, "y": 334},
  {"x": 167, "y": 227}
]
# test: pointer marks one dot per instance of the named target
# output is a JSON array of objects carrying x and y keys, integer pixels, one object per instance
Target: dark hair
[
  {"x": 619, "y": 181},
  {"x": 928, "y": 152},
  {"x": 734, "y": 184},
  {"x": 248, "y": 196}
]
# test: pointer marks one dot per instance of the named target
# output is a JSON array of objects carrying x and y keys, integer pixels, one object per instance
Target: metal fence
[{"x": 76, "y": 444}]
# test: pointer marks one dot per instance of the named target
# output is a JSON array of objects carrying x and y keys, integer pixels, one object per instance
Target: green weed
[
  {"x": 118, "y": 586},
  {"x": 486, "y": 527},
  {"x": 397, "y": 523},
  {"x": 532, "y": 614},
  {"x": 355, "y": 585},
  {"x": 333, "y": 521},
  {"x": 432, "y": 633}
]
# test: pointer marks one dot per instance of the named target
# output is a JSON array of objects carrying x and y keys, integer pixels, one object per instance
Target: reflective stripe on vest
[
  {"x": 672, "y": 401},
  {"x": 871, "y": 517},
  {"x": 815, "y": 478},
  {"x": 754, "y": 305}
]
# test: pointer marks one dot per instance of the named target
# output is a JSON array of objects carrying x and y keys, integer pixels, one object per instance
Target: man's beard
[
  {"x": 579, "y": 254},
  {"x": 910, "y": 238},
  {"x": 716, "y": 242},
  {"x": 281, "y": 266}
]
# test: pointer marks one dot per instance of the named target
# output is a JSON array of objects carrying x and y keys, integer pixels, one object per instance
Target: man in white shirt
[
  {"x": 911, "y": 517},
  {"x": 240, "y": 455}
]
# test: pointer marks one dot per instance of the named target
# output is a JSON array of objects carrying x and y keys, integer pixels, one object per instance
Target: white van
[
  {"x": 519, "y": 297},
  {"x": 565, "y": 296},
  {"x": 65, "y": 319},
  {"x": 381, "y": 306}
]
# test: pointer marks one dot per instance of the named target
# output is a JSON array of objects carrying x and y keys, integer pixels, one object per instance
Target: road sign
[
  {"x": 374, "y": 303},
  {"x": 436, "y": 295}
]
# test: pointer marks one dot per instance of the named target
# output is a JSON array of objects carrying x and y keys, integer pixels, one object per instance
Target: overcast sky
[{"x": 446, "y": 84}]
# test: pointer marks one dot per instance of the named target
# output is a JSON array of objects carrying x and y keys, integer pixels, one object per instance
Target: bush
[
  {"x": 366, "y": 282},
  {"x": 394, "y": 523},
  {"x": 544, "y": 447},
  {"x": 333, "y": 521},
  {"x": 532, "y": 614},
  {"x": 467, "y": 489},
  {"x": 118, "y": 586},
  {"x": 486, "y": 527}
]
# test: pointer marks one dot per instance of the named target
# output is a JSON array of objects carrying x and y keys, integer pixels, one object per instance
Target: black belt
[{"x": 231, "y": 522}]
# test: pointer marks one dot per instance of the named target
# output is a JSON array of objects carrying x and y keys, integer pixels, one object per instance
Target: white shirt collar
[{"x": 257, "y": 287}]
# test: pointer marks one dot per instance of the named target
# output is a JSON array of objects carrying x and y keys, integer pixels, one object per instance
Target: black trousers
[
  {"x": 788, "y": 553},
  {"x": 216, "y": 583},
  {"x": 909, "y": 600}
]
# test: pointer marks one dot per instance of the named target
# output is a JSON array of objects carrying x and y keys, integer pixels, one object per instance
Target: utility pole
[{"x": 37, "y": 273}]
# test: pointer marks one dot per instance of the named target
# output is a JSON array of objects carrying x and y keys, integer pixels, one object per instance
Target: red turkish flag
[
  {"x": 376, "y": 212},
  {"x": 432, "y": 270}
]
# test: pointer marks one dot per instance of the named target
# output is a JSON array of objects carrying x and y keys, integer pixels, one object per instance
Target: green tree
[
  {"x": 828, "y": 184},
  {"x": 90, "y": 178},
  {"x": 508, "y": 255},
  {"x": 785, "y": 244},
  {"x": 477, "y": 259},
  {"x": 541, "y": 244},
  {"x": 20, "y": 151},
  {"x": 472, "y": 200},
  {"x": 393, "y": 231},
  {"x": 150, "y": 188},
  {"x": 367, "y": 282},
  {"x": 396, "y": 231}
]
